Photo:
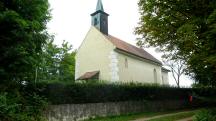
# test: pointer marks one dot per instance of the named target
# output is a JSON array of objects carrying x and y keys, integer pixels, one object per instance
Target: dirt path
[{"x": 170, "y": 114}]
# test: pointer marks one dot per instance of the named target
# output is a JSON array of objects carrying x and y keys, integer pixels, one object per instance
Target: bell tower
[{"x": 100, "y": 18}]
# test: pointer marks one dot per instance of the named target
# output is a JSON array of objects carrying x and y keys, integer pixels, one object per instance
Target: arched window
[
  {"x": 126, "y": 63},
  {"x": 155, "y": 76}
]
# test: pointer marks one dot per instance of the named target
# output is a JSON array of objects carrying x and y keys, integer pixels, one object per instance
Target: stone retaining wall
[{"x": 79, "y": 112}]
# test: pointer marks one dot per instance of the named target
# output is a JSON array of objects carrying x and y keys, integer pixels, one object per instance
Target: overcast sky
[{"x": 71, "y": 21}]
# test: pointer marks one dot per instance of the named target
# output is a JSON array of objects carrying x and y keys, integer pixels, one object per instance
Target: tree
[
  {"x": 58, "y": 63},
  {"x": 185, "y": 28},
  {"x": 22, "y": 35},
  {"x": 177, "y": 69},
  {"x": 67, "y": 63},
  {"x": 67, "y": 67},
  {"x": 48, "y": 68}
]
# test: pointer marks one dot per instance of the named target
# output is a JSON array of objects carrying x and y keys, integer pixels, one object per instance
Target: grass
[
  {"x": 175, "y": 117},
  {"x": 130, "y": 117},
  {"x": 125, "y": 117}
]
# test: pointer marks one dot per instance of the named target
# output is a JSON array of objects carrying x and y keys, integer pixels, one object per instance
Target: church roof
[
  {"x": 131, "y": 49},
  {"x": 89, "y": 75}
]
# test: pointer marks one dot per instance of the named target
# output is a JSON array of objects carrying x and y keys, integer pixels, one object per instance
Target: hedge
[{"x": 58, "y": 93}]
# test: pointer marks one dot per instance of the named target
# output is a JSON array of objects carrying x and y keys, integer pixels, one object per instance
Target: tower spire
[
  {"x": 100, "y": 18},
  {"x": 99, "y": 6}
]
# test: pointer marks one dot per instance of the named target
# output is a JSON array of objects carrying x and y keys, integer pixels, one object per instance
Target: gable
[
  {"x": 94, "y": 39},
  {"x": 93, "y": 55}
]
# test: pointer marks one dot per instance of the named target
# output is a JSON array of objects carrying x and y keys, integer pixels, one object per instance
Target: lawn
[
  {"x": 175, "y": 117},
  {"x": 145, "y": 115},
  {"x": 125, "y": 117}
]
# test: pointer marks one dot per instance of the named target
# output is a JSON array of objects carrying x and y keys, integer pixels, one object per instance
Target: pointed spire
[
  {"x": 99, "y": 6},
  {"x": 100, "y": 18}
]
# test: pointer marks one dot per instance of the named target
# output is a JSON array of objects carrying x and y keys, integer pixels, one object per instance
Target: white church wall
[
  {"x": 76, "y": 69},
  {"x": 165, "y": 78},
  {"x": 138, "y": 70},
  {"x": 93, "y": 55},
  {"x": 114, "y": 70}
]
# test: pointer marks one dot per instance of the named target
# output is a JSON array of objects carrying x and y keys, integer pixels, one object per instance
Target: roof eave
[
  {"x": 165, "y": 70},
  {"x": 158, "y": 63},
  {"x": 99, "y": 11}
]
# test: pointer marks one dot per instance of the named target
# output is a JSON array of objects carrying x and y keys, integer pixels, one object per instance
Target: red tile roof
[
  {"x": 88, "y": 75},
  {"x": 131, "y": 49}
]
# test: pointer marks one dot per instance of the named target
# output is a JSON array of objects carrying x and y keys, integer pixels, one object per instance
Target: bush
[
  {"x": 76, "y": 93},
  {"x": 205, "y": 95},
  {"x": 21, "y": 106},
  {"x": 206, "y": 115},
  {"x": 58, "y": 93}
]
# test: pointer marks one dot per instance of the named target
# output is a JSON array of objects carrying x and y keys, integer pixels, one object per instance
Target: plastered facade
[
  {"x": 138, "y": 70},
  {"x": 114, "y": 68},
  {"x": 165, "y": 77},
  {"x": 96, "y": 53}
]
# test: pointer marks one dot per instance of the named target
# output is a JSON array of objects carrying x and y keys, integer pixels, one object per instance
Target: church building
[{"x": 104, "y": 57}]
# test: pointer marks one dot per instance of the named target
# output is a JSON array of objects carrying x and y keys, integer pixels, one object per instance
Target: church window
[
  {"x": 95, "y": 21},
  {"x": 155, "y": 75},
  {"x": 163, "y": 79},
  {"x": 126, "y": 63}
]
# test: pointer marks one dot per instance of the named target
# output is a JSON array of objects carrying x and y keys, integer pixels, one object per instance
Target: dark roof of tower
[
  {"x": 99, "y": 9},
  {"x": 99, "y": 6}
]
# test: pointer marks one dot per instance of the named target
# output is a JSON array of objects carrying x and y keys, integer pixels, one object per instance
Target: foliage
[
  {"x": 20, "y": 107},
  {"x": 78, "y": 93},
  {"x": 58, "y": 63},
  {"x": 206, "y": 115},
  {"x": 205, "y": 95},
  {"x": 22, "y": 26},
  {"x": 67, "y": 67},
  {"x": 22, "y": 37},
  {"x": 184, "y": 28},
  {"x": 50, "y": 60},
  {"x": 60, "y": 93}
]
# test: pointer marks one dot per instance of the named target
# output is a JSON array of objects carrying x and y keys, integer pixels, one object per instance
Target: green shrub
[
  {"x": 206, "y": 115},
  {"x": 8, "y": 107},
  {"x": 20, "y": 106},
  {"x": 76, "y": 93},
  {"x": 61, "y": 93}
]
